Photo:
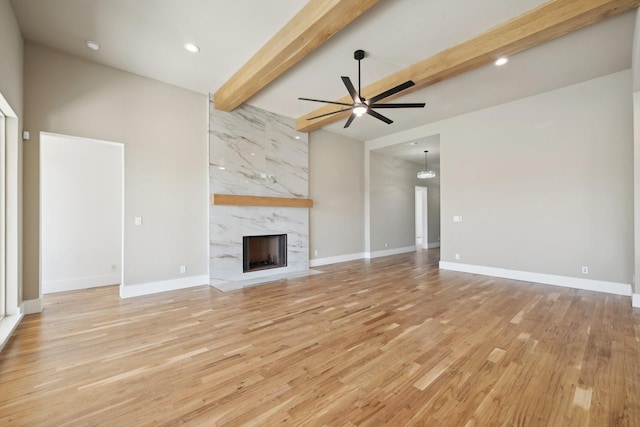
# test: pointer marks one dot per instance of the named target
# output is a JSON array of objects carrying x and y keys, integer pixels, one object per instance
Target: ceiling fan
[{"x": 360, "y": 105}]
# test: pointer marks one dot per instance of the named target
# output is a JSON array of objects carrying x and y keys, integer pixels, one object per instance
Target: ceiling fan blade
[
  {"x": 349, "y": 120},
  {"x": 399, "y": 105},
  {"x": 351, "y": 89},
  {"x": 379, "y": 116},
  {"x": 391, "y": 91},
  {"x": 326, "y": 102},
  {"x": 328, "y": 114}
]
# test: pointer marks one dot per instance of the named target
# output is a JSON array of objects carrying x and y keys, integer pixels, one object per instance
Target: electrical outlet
[
  {"x": 585, "y": 270},
  {"x": 183, "y": 269},
  {"x": 457, "y": 256},
  {"x": 315, "y": 253},
  {"x": 386, "y": 244}
]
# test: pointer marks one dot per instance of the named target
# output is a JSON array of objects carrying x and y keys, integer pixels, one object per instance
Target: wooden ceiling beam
[
  {"x": 316, "y": 22},
  {"x": 542, "y": 24}
]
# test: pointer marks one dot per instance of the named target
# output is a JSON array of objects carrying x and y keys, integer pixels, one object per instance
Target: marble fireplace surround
[{"x": 258, "y": 172}]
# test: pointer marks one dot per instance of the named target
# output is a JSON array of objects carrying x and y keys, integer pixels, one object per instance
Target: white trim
[
  {"x": 434, "y": 245},
  {"x": 83, "y": 139},
  {"x": 388, "y": 252},
  {"x": 12, "y": 210},
  {"x": 8, "y": 324},
  {"x": 336, "y": 259},
  {"x": 635, "y": 300},
  {"x": 80, "y": 283},
  {"x": 129, "y": 291},
  {"x": 546, "y": 279},
  {"x": 32, "y": 306}
]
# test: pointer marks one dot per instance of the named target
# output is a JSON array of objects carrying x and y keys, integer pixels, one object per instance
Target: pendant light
[{"x": 426, "y": 173}]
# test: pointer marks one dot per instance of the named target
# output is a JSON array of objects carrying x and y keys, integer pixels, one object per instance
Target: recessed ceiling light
[
  {"x": 191, "y": 47},
  {"x": 93, "y": 45},
  {"x": 297, "y": 136},
  {"x": 221, "y": 168},
  {"x": 412, "y": 143},
  {"x": 501, "y": 61}
]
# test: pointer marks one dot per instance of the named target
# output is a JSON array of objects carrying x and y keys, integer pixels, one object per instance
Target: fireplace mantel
[{"x": 240, "y": 200}]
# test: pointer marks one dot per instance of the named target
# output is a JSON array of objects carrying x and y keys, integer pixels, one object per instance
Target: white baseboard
[
  {"x": 336, "y": 259},
  {"x": 635, "y": 300},
  {"x": 7, "y": 325},
  {"x": 546, "y": 279},
  {"x": 129, "y": 291},
  {"x": 387, "y": 252},
  {"x": 32, "y": 306},
  {"x": 365, "y": 255},
  {"x": 79, "y": 283}
]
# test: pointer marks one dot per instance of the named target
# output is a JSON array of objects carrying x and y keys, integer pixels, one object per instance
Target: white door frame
[
  {"x": 422, "y": 217},
  {"x": 88, "y": 140},
  {"x": 13, "y": 304}
]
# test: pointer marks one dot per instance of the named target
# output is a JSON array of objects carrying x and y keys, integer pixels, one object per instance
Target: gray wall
[
  {"x": 544, "y": 184},
  {"x": 164, "y": 132},
  {"x": 11, "y": 47},
  {"x": 336, "y": 185},
  {"x": 392, "y": 202}
]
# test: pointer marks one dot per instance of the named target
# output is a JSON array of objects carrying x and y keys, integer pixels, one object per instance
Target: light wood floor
[{"x": 392, "y": 341}]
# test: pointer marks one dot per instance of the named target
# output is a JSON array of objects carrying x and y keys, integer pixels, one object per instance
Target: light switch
[
  {"x": 457, "y": 218},
  {"x": 138, "y": 220}
]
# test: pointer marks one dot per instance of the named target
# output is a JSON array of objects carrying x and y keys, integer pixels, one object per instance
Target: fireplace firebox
[{"x": 264, "y": 252}]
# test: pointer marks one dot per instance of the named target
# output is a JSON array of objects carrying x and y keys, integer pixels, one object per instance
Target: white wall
[
  {"x": 81, "y": 212},
  {"x": 164, "y": 132},
  {"x": 336, "y": 185},
  {"x": 544, "y": 184}
]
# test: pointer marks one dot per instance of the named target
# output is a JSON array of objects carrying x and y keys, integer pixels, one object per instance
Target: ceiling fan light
[{"x": 359, "y": 110}]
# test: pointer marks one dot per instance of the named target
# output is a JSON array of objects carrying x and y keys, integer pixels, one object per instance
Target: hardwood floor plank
[{"x": 388, "y": 341}]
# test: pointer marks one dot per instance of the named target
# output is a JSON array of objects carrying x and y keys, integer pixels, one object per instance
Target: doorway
[
  {"x": 422, "y": 218},
  {"x": 81, "y": 212}
]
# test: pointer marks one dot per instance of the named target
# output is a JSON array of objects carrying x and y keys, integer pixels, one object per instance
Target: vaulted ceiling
[{"x": 146, "y": 37}]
